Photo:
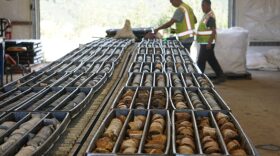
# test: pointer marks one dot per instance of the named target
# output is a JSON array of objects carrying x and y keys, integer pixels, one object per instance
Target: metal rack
[
  {"x": 49, "y": 91},
  {"x": 175, "y": 57},
  {"x": 96, "y": 66}
]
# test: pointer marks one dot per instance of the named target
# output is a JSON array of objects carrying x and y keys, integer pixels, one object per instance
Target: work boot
[{"x": 219, "y": 80}]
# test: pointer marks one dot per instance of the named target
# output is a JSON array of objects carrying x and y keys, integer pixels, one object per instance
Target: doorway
[{"x": 64, "y": 24}]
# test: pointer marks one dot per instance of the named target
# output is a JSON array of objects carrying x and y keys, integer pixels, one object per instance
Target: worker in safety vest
[
  {"x": 206, "y": 35},
  {"x": 185, "y": 21}
]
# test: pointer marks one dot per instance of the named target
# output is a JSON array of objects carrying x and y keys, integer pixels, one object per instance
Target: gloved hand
[{"x": 150, "y": 35}]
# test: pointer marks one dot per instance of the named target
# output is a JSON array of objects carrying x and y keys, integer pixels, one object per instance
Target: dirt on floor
[{"x": 256, "y": 105}]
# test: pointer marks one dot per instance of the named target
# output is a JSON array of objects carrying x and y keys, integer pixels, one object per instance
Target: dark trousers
[
  {"x": 187, "y": 46},
  {"x": 209, "y": 56}
]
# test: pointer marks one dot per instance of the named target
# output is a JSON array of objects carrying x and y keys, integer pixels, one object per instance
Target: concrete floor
[{"x": 256, "y": 105}]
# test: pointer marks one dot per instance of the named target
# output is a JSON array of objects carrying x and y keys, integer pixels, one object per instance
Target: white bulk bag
[{"x": 230, "y": 50}]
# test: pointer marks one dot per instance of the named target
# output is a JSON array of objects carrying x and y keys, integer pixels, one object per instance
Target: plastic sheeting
[
  {"x": 260, "y": 17},
  {"x": 230, "y": 50},
  {"x": 264, "y": 58}
]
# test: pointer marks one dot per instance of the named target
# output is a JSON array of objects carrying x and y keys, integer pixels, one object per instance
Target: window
[{"x": 65, "y": 24}]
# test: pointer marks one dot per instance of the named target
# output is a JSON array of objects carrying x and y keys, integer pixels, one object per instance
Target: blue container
[{"x": 2, "y": 45}]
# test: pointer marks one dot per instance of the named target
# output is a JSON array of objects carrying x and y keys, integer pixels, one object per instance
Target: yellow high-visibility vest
[
  {"x": 204, "y": 33},
  {"x": 185, "y": 28}
]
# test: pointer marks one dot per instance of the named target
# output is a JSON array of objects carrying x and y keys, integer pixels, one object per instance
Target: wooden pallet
[{"x": 247, "y": 76}]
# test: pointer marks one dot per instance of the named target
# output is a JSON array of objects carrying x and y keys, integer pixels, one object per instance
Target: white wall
[
  {"x": 260, "y": 17},
  {"x": 17, "y": 10}
]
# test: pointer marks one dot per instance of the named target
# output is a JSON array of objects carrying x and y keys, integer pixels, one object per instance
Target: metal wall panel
[{"x": 19, "y": 11}]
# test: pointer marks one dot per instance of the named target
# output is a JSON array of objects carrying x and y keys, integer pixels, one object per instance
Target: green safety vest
[
  {"x": 185, "y": 28},
  {"x": 204, "y": 33}
]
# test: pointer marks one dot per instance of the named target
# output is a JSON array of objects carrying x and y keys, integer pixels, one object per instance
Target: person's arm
[
  {"x": 166, "y": 25},
  {"x": 195, "y": 19},
  {"x": 212, "y": 24},
  {"x": 212, "y": 37}
]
